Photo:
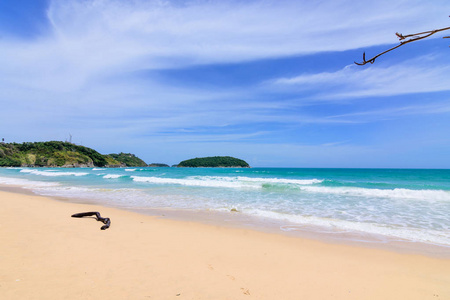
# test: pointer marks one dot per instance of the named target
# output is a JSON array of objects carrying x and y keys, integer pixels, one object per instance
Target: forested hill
[
  {"x": 130, "y": 160},
  {"x": 53, "y": 154},
  {"x": 214, "y": 162}
]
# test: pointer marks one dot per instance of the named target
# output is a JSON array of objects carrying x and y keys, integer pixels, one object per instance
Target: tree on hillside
[{"x": 404, "y": 39}]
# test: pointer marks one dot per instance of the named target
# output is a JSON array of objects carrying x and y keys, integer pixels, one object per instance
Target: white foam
[
  {"x": 282, "y": 181},
  {"x": 430, "y": 195},
  {"x": 25, "y": 182},
  {"x": 123, "y": 197},
  {"x": 260, "y": 180},
  {"x": 130, "y": 170},
  {"x": 112, "y": 176},
  {"x": 334, "y": 225},
  {"x": 228, "y": 182},
  {"x": 52, "y": 173},
  {"x": 192, "y": 182},
  {"x": 98, "y": 169}
]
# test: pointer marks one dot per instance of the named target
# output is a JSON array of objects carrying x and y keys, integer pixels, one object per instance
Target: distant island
[
  {"x": 158, "y": 165},
  {"x": 61, "y": 154},
  {"x": 214, "y": 162},
  {"x": 128, "y": 159}
]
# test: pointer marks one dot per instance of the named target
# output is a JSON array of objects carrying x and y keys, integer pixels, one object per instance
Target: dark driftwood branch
[
  {"x": 403, "y": 40},
  {"x": 105, "y": 221}
]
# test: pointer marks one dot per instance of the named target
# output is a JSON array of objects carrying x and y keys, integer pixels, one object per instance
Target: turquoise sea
[{"x": 390, "y": 204}]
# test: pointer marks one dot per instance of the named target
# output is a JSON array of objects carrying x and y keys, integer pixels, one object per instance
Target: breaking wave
[
  {"x": 53, "y": 173},
  {"x": 226, "y": 182},
  {"x": 402, "y": 193}
]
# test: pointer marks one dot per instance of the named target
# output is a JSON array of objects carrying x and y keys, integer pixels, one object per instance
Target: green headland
[{"x": 61, "y": 154}]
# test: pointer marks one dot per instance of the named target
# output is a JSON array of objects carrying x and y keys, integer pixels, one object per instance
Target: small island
[
  {"x": 214, "y": 162},
  {"x": 158, "y": 165}
]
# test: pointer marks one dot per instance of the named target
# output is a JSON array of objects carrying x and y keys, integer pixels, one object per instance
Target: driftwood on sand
[{"x": 105, "y": 221}]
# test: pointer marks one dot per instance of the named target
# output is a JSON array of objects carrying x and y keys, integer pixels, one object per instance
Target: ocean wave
[
  {"x": 98, "y": 169},
  {"x": 400, "y": 193},
  {"x": 191, "y": 182},
  {"x": 26, "y": 183},
  {"x": 227, "y": 182},
  {"x": 53, "y": 173},
  {"x": 341, "y": 226},
  {"x": 112, "y": 176},
  {"x": 280, "y": 181},
  {"x": 118, "y": 197},
  {"x": 130, "y": 170}
]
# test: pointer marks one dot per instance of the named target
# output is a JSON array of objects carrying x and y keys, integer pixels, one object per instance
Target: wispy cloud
[
  {"x": 168, "y": 33},
  {"x": 395, "y": 112},
  {"x": 420, "y": 75},
  {"x": 93, "y": 39}
]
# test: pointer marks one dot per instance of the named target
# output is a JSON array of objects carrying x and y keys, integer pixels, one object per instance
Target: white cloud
[
  {"x": 166, "y": 33},
  {"x": 409, "y": 77},
  {"x": 395, "y": 112},
  {"x": 91, "y": 39}
]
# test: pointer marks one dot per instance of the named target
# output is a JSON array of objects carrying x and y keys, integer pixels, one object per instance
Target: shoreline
[
  {"x": 235, "y": 220},
  {"x": 49, "y": 255}
]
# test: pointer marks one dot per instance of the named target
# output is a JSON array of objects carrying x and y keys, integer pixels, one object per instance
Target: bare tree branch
[{"x": 404, "y": 39}]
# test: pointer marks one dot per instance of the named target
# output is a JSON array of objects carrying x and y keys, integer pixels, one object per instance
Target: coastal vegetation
[
  {"x": 128, "y": 159},
  {"x": 57, "y": 154},
  {"x": 49, "y": 154},
  {"x": 214, "y": 162}
]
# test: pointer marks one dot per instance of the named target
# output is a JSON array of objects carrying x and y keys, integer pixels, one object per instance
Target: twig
[{"x": 413, "y": 37}]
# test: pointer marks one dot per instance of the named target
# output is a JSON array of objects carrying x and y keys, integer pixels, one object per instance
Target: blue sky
[{"x": 271, "y": 82}]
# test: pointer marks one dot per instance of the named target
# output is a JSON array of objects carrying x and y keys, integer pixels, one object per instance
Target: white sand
[{"x": 46, "y": 254}]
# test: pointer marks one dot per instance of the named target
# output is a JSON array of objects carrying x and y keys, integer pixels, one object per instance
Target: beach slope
[{"x": 46, "y": 254}]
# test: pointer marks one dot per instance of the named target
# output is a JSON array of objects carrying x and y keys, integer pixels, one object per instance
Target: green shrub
[{"x": 9, "y": 162}]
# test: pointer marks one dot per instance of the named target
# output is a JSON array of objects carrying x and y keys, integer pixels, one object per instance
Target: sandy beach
[{"x": 46, "y": 254}]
